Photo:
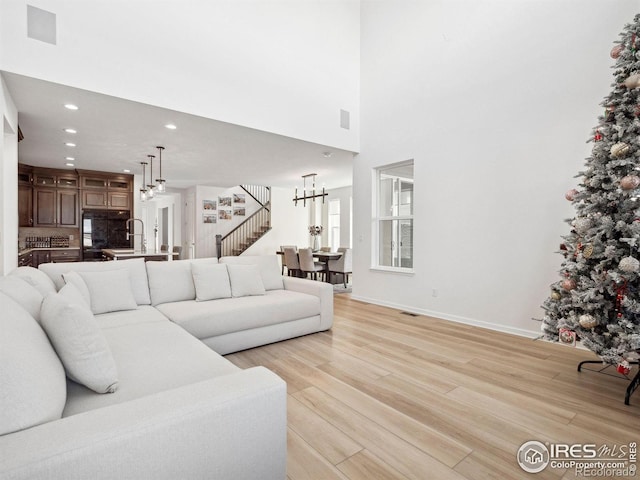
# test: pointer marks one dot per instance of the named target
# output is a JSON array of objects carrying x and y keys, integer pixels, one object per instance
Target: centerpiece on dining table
[{"x": 315, "y": 231}]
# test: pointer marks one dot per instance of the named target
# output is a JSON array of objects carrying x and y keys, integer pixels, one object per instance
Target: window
[
  {"x": 393, "y": 217},
  {"x": 334, "y": 224}
]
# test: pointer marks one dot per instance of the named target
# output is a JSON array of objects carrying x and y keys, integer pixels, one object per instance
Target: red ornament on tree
[
  {"x": 598, "y": 136},
  {"x": 620, "y": 293}
]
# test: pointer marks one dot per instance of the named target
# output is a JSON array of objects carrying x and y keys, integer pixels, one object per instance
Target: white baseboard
[{"x": 454, "y": 318}]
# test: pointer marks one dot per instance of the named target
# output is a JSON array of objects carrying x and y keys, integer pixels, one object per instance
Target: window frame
[{"x": 377, "y": 218}]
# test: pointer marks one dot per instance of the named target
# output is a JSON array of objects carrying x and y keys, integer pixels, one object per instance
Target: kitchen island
[{"x": 122, "y": 254}]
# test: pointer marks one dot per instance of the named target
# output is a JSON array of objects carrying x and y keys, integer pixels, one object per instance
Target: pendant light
[
  {"x": 150, "y": 186},
  {"x": 313, "y": 195},
  {"x": 143, "y": 190},
  {"x": 160, "y": 182}
]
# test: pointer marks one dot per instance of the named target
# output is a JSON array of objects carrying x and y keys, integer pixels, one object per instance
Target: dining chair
[
  {"x": 308, "y": 265},
  {"x": 164, "y": 248},
  {"x": 284, "y": 260},
  {"x": 291, "y": 260},
  {"x": 342, "y": 265},
  {"x": 177, "y": 249}
]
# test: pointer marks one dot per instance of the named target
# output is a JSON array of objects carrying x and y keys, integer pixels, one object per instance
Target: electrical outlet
[{"x": 71, "y": 237}]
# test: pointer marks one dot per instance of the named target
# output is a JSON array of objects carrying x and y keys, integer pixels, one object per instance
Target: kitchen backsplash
[{"x": 45, "y": 233}]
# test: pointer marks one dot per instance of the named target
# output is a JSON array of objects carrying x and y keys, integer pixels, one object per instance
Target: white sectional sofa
[{"x": 152, "y": 335}]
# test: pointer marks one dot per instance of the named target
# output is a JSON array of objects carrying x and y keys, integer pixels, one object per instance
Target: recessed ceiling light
[
  {"x": 69, "y": 159},
  {"x": 170, "y": 126},
  {"x": 69, "y": 144},
  {"x": 69, "y": 164},
  {"x": 126, "y": 170},
  {"x": 70, "y": 106},
  {"x": 70, "y": 130},
  {"x": 327, "y": 154}
]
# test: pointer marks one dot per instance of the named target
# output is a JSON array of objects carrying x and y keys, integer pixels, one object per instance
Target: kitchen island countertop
[{"x": 122, "y": 253}]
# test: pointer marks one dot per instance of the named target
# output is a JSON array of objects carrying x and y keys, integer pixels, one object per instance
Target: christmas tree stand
[{"x": 635, "y": 382}]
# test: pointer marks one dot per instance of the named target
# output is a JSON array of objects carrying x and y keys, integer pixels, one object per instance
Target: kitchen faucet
[{"x": 143, "y": 240}]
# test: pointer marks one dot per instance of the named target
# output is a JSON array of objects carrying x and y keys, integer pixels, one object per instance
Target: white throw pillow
[
  {"x": 110, "y": 291},
  {"x": 77, "y": 281},
  {"x": 211, "y": 281},
  {"x": 269, "y": 267},
  {"x": 79, "y": 342},
  {"x": 170, "y": 281},
  {"x": 26, "y": 295},
  {"x": 245, "y": 280},
  {"x": 136, "y": 267},
  {"x": 33, "y": 389}
]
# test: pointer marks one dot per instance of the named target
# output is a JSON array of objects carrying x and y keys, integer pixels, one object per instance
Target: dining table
[{"x": 322, "y": 257}]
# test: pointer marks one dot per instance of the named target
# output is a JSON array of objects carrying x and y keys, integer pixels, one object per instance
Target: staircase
[{"x": 248, "y": 232}]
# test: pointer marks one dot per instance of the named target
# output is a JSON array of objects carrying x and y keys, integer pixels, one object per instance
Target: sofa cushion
[
  {"x": 37, "y": 279},
  {"x": 245, "y": 280},
  {"x": 31, "y": 376},
  {"x": 151, "y": 357},
  {"x": 25, "y": 295},
  {"x": 143, "y": 314},
  {"x": 78, "y": 340},
  {"x": 218, "y": 317},
  {"x": 269, "y": 266},
  {"x": 172, "y": 281},
  {"x": 211, "y": 281},
  {"x": 77, "y": 281},
  {"x": 109, "y": 291},
  {"x": 136, "y": 267}
]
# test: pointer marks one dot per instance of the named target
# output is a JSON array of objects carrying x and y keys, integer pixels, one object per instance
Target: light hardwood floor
[{"x": 384, "y": 395}]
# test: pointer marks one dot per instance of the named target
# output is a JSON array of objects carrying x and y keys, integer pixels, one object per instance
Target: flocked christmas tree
[{"x": 597, "y": 298}]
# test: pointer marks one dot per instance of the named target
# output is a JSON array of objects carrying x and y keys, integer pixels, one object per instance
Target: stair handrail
[
  {"x": 255, "y": 190},
  {"x": 250, "y": 230}
]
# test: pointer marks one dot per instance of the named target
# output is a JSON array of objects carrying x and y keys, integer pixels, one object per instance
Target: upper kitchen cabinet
[
  {"x": 103, "y": 190},
  {"x": 55, "y": 198},
  {"x": 25, "y": 196},
  {"x": 45, "y": 177}
]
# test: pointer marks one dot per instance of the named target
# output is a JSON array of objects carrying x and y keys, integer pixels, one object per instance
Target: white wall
[
  {"x": 206, "y": 232},
  {"x": 494, "y": 100},
  {"x": 282, "y": 66},
  {"x": 8, "y": 182},
  {"x": 289, "y": 225},
  {"x": 345, "y": 195}
]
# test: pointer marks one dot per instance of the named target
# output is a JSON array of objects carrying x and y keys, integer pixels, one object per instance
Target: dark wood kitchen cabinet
[
  {"x": 55, "y": 198},
  {"x": 25, "y": 206},
  {"x": 68, "y": 212},
  {"x": 49, "y": 197},
  {"x": 40, "y": 256},
  {"x": 44, "y": 207},
  {"x": 108, "y": 191},
  {"x": 25, "y": 196},
  {"x": 54, "y": 207},
  {"x": 65, "y": 255}
]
